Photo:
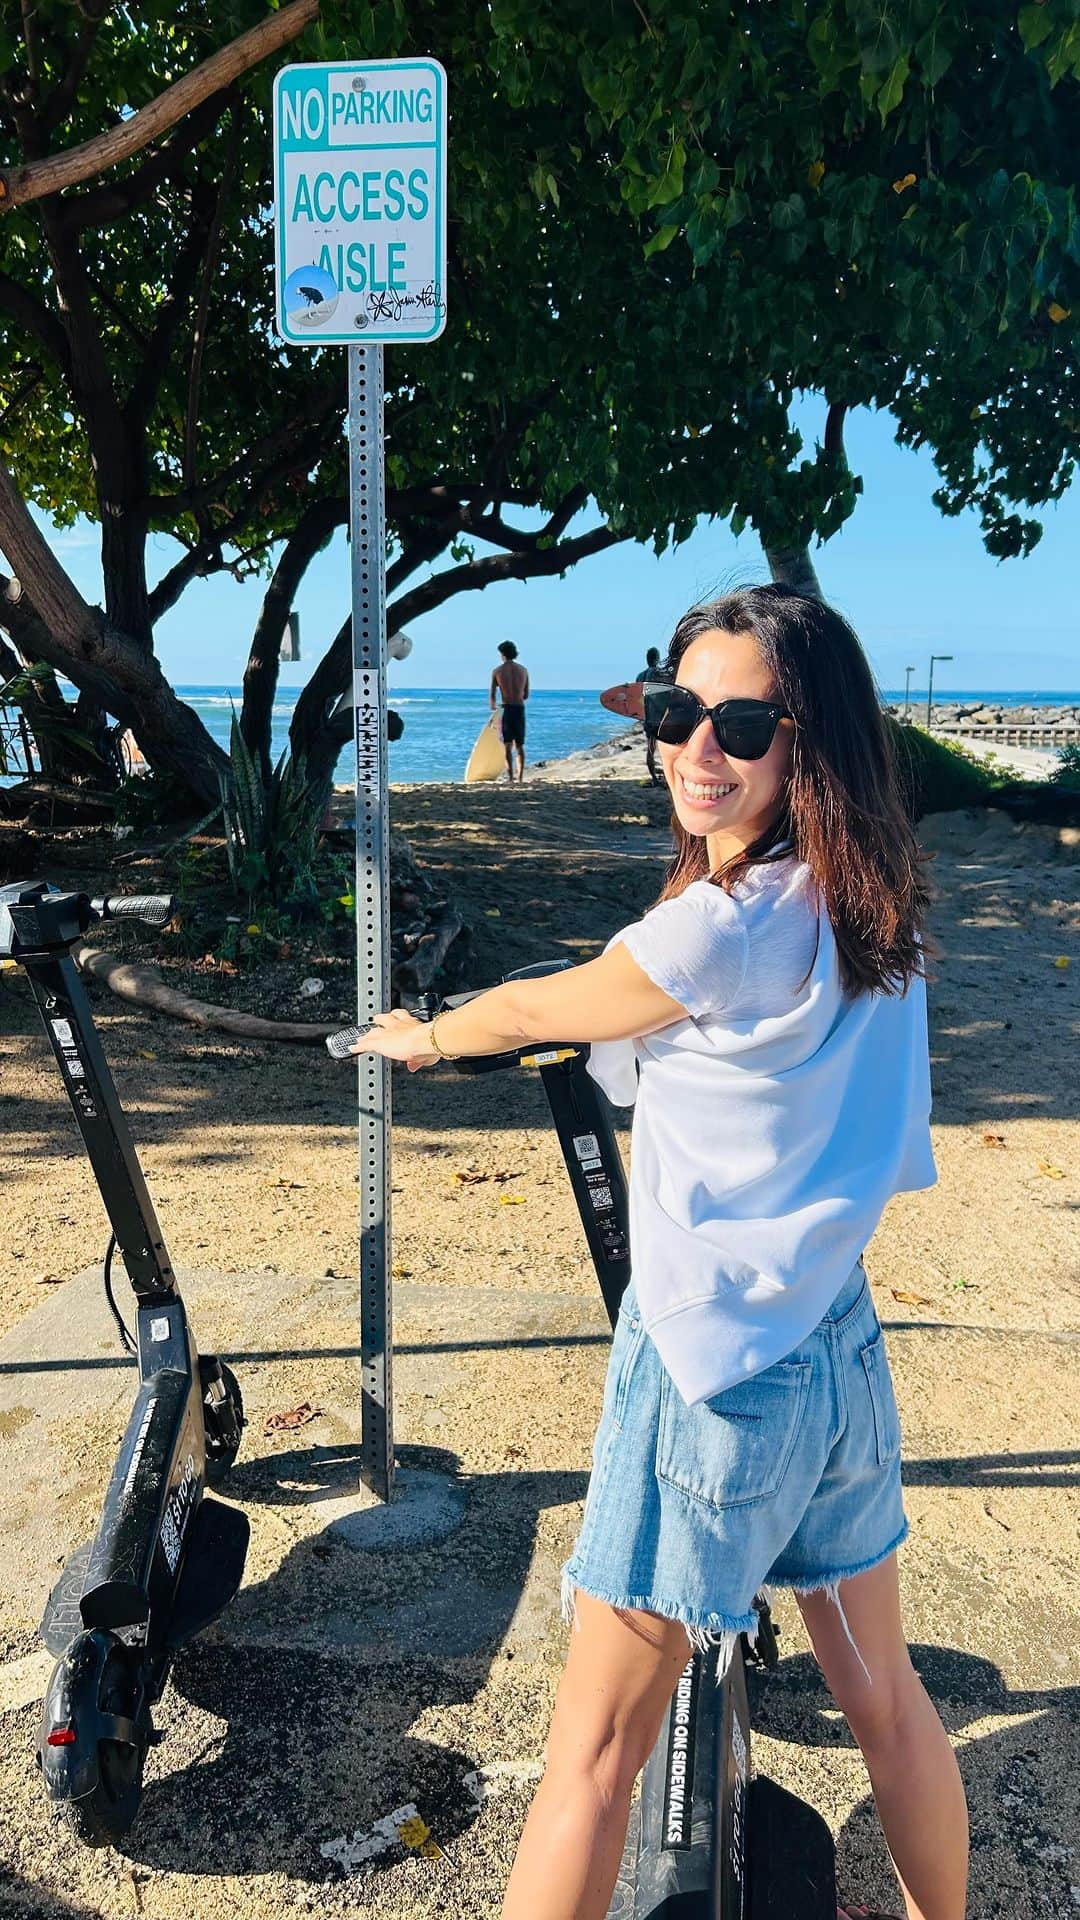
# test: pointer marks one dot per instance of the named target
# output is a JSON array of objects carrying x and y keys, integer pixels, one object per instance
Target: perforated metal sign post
[
  {"x": 367, "y": 523},
  {"x": 359, "y": 259}
]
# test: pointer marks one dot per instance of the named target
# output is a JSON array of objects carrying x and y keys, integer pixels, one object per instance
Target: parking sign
[{"x": 360, "y": 202}]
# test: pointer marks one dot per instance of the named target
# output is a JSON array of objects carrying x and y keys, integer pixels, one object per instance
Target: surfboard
[
  {"x": 625, "y": 699},
  {"x": 488, "y": 758}
]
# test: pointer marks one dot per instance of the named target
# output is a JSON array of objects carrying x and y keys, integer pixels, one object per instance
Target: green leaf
[
  {"x": 669, "y": 186},
  {"x": 893, "y": 91},
  {"x": 660, "y": 241},
  {"x": 1036, "y": 24}
]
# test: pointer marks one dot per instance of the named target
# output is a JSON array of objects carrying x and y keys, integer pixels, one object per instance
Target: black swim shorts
[{"x": 513, "y": 724}]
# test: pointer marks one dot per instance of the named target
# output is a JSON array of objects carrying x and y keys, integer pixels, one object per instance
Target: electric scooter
[
  {"x": 705, "y": 1842},
  {"x": 165, "y": 1560}
]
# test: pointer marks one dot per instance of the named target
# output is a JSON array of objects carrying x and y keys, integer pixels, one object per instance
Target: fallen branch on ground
[{"x": 144, "y": 986}]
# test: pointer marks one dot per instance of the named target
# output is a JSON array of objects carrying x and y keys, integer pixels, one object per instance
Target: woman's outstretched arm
[{"x": 611, "y": 998}]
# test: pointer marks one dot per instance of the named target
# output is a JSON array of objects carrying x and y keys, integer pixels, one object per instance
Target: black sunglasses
[{"x": 743, "y": 728}]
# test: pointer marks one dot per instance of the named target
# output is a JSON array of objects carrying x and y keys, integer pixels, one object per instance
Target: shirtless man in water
[{"x": 512, "y": 682}]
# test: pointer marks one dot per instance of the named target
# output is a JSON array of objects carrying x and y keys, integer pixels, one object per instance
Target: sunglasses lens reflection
[{"x": 671, "y": 715}]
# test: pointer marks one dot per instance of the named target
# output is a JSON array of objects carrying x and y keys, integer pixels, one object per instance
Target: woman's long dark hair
[{"x": 843, "y": 807}]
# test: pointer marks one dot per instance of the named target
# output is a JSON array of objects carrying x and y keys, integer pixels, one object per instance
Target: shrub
[
  {"x": 1067, "y": 772},
  {"x": 271, "y": 828},
  {"x": 941, "y": 776}
]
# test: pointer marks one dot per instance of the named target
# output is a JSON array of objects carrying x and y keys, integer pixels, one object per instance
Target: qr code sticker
[
  {"x": 586, "y": 1146},
  {"x": 601, "y": 1198}
]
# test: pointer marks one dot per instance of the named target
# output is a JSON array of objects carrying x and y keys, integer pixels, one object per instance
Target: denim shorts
[{"x": 788, "y": 1479}]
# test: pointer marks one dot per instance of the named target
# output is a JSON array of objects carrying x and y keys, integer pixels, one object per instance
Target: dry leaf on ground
[{"x": 292, "y": 1417}]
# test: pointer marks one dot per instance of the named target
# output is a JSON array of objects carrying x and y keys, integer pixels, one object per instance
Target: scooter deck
[{"x": 211, "y": 1575}]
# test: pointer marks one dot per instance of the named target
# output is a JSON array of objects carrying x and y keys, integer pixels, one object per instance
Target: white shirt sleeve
[{"x": 694, "y": 948}]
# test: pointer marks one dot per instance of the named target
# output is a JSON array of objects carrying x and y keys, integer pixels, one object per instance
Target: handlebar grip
[
  {"x": 340, "y": 1045},
  {"x": 153, "y": 909}
]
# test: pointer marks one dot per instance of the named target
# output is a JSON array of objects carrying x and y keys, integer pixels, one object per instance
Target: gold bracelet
[{"x": 443, "y": 1055}]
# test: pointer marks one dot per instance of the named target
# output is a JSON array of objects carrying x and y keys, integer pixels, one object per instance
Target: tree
[{"x": 665, "y": 225}]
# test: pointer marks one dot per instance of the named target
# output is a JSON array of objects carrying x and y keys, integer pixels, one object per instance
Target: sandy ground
[{"x": 342, "y": 1686}]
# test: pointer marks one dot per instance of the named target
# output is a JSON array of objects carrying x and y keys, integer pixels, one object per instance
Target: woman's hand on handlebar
[{"x": 400, "y": 1036}]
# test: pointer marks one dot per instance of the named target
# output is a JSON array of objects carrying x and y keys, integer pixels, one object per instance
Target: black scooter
[
  {"x": 706, "y": 1842},
  {"x": 165, "y": 1561}
]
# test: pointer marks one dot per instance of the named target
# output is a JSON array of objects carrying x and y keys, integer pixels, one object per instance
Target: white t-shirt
[{"x": 770, "y": 1127}]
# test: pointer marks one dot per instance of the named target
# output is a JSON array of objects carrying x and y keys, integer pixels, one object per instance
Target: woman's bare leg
[
  {"x": 912, "y": 1767},
  {"x": 620, "y": 1674}
]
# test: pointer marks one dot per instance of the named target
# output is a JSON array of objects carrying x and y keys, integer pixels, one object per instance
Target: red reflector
[{"x": 60, "y": 1737}]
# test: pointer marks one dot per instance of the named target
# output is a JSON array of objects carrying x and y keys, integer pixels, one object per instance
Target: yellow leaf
[
  {"x": 346, "y": 900},
  {"x": 492, "y": 913},
  {"x": 1061, "y": 962},
  {"x": 147, "y": 1053},
  {"x": 1052, "y": 1173},
  {"x": 901, "y": 186},
  {"x": 511, "y": 1200},
  {"x": 815, "y": 173},
  {"x": 910, "y": 1299},
  {"x": 253, "y": 928},
  {"x": 993, "y": 1139},
  {"x": 414, "y": 1833},
  {"x": 1058, "y": 313}
]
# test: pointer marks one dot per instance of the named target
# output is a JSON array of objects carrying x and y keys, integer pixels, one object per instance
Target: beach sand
[{"x": 250, "y": 1154}]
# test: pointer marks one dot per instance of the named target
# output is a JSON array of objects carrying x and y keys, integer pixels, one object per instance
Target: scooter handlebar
[
  {"x": 153, "y": 909},
  {"x": 340, "y": 1045}
]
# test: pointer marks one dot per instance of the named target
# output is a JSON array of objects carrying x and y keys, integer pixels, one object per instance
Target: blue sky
[{"x": 911, "y": 581}]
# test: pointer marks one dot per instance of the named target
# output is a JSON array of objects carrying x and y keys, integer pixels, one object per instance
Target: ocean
[{"x": 441, "y": 724}]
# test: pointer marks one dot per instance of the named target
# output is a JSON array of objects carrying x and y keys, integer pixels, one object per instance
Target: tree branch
[
  {"x": 34, "y": 317},
  {"x": 312, "y": 531},
  {"x": 30, "y": 385},
  {"x": 100, "y": 206},
  {"x": 189, "y": 466},
  {"x": 328, "y": 400},
  {"x": 475, "y": 575},
  {"x": 57, "y": 107},
  {"x": 171, "y": 312},
  {"x": 39, "y": 178},
  {"x": 834, "y": 429}
]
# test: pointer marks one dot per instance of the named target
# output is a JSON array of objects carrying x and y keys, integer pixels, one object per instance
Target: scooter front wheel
[
  {"x": 95, "y": 1732},
  {"x": 223, "y": 1417}
]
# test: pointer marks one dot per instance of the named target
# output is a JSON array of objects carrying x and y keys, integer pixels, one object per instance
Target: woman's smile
[{"x": 700, "y": 793}]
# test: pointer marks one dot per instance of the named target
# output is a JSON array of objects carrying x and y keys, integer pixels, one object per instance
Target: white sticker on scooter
[
  {"x": 62, "y": 1030},
  {"x": 159, "y": 1329},
  {"x": 586, "y": 1146}
]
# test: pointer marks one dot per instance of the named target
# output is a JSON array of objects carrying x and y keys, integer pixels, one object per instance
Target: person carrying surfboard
[
  {"x": 651, "y": 671},
  {"x": 512, "y": 681}
]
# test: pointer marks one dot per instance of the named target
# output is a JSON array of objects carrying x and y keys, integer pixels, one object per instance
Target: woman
[{"x": 769, "y": 1014}]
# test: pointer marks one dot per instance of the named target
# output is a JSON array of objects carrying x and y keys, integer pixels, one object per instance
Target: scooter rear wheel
[{"x": 103, "y": 1816}]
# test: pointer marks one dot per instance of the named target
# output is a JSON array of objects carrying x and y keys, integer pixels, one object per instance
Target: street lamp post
[
  {"x": 930, "y": 688},
  {"x": 908, "y": 671}
]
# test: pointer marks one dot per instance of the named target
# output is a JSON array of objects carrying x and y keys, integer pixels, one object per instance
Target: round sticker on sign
[{"x": 311, "y": 297}]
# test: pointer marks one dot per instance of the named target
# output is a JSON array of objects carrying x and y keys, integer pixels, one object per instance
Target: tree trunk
[
  {"x": 312, "y": 736},
  {"x": 793, "y": 567},
  {"x": 48, "y": 619},
  {"x": 312, "y": 531}
]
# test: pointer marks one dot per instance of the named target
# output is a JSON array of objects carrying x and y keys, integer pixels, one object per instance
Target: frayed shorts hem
[
  {"x": 702, "y": 1629},
  {"x": 828, "y": 1582}
]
